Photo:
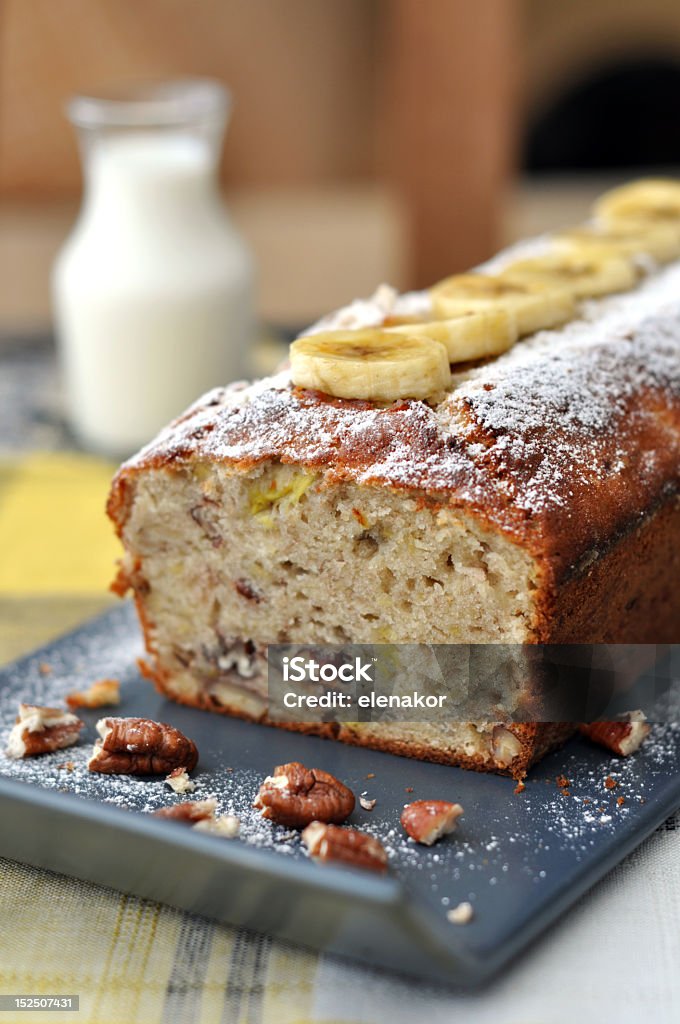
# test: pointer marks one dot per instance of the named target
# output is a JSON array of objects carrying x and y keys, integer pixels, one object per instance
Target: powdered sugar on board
[
  {"x": 563, "y": 415},
  {"x": 503, "y": 840}
]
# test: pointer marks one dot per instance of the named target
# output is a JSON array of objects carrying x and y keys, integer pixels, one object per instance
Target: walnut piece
[
  {"x": 190, "y": 811},
  {"x": 103, "y": 693},
  {"x": 40, "y": 730},
  {"x": 462, "y": 914},
  {"x": 200, "y": 814},
  {"x": 623, "y": 736},
  {"x": 332, "y": 844},
  {"x": 295, "y": 796},
  {"x": 227, "y": 826},
  {"x": 140, "y": 746},
  {"x": 505, "y": 746},
  {"x": 179, "y": 781},
  {"x": 426, "y": 821}
]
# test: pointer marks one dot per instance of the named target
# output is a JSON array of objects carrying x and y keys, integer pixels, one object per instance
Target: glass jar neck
[{"x": 151, "y": 149}]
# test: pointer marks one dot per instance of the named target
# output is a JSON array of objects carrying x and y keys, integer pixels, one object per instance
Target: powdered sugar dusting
[
  {"x": 503, "y": 841},
  {"x": 566, "y": 417}
]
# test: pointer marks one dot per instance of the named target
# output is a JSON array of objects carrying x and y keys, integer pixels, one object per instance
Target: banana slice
[
  {"x": 581, "y": 271},
  {"x": 624, "y": 238},
  {"x": 474, "y": 335},
  {"x": 650, "y": 200},
  {"x": 370, "y": 364},
  {"x": 535, "y": 305}
]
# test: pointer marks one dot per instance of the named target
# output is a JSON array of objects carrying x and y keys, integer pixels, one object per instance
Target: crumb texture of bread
[{"x": 232, "y": 562}]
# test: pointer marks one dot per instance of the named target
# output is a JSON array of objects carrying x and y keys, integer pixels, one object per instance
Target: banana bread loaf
[{"x": 533, "y": 500}]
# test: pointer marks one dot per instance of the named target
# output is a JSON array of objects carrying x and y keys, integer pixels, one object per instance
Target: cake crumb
[
  {"x": 462, "y": 914},
  {"x": 102, "y": 693},
  {"x": 179, "y": 781},
  {"x": 367, "y": 804},
  {"x": 371, "y": 775}
]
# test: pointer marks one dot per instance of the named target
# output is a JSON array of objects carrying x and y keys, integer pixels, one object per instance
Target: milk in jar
[{"x": 153, "y": 289}]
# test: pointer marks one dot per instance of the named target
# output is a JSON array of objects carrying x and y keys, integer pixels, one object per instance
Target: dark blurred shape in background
[{"x": 623, "y": 115}]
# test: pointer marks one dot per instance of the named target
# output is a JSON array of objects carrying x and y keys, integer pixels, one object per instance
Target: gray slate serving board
[{"x": 520, "y": 859}]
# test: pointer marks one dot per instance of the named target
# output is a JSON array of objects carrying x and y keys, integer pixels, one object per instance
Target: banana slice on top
[
  {"x": 370, "y": 364},
  {"x": 535, "y": 305},
  {"x": 655, "y": 200},
  {"x": 473, "y": 335},
  {"x": 625, "y": 238},
  {"x": 581, "y": 271}
]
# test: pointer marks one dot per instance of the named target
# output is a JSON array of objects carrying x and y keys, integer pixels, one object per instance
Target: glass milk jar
[{"x": 152, "y": 291}]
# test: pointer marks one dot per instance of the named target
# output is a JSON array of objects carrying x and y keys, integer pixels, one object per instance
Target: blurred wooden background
[
  {"x": 372, "y": 139},
  {"x": 334, "y": 100}
]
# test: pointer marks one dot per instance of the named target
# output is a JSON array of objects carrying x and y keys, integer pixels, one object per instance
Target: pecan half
[
  {"x": 140, "y": 746},
  {"x": 623, "y": 737},
  {"x": 426, "y": 821},
  {"x": 102, "y": 693},
  {"x": 330, "y": 843},
  {"x": 190, "y": 811},
  {"x": 295, "y": 796},
  {"x": 40, "y": 730}
]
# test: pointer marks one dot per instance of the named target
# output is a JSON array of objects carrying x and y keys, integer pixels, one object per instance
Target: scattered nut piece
[
  {"x": 505, "y": 746},
  {"x": 103, "y": 693},
  {"x": 519, "y": 788},
  {"x": 408, "y": 789},
  {"x": 426, "y": 821},
  {"x": 330, "y": 843},
  {"x": 295, "y": 796},
  {"x": 67, "y": 766},
  {"x": 140, "y": 746},
  {"x": 562, "y": 781},
  {"x": 623, "y": 737},
  {"x": 610, "y": 783},
  {"x": 44, "y": 668},
  {"x": 41, "y": 730},
  {"x": 190, "y": 811},
  {"x": 226, "y": 825},
  {"x": 620, "y": 800},
  {"x": 179, "y": 781},
  {"x": 462, "y": 914},
  {"x": 367, "y": 804},
  {"x": 371, "y": 775}
]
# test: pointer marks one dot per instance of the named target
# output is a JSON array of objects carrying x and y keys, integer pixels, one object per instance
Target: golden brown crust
[{"x": 564, "y": 453}]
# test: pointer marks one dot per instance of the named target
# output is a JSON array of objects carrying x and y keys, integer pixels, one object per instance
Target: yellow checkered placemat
[{"x": 129, "y": 960}]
